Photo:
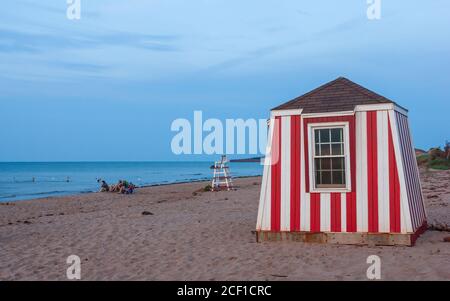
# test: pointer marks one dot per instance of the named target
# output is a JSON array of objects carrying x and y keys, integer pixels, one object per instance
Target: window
[{"x": 330, "y": 157}]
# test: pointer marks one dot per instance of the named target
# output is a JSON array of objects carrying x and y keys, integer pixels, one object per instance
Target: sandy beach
[{"x": 187, "y": 234}]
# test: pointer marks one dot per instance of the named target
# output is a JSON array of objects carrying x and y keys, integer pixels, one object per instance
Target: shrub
[
  {"x": 422, "y": 159},
  {"x": 435, "y": 159},
  {"x": 439, "y": 163},
  {"x": 436, "y": 153}
]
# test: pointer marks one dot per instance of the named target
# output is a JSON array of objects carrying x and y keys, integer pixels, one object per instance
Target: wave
[
  {"x": 8, "y": 196},
  {"x": 31, "y": 181},
  {"x": 192, "y": 174}
]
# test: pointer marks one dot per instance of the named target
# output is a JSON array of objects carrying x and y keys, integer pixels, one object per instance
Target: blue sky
[{"x": 108, "y": 86}]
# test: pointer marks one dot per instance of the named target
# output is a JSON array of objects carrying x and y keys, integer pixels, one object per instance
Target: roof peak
[{"x": 340, "y": 94}]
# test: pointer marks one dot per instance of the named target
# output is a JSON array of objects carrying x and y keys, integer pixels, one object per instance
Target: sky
[{"x": 108, "y": 86}]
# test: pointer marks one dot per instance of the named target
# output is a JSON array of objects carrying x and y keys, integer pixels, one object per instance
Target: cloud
[
  {"x": 83, "y": 67},
  {"x": 271, "y": 49},
  {"x": 60, "y": 9},
  {"x": 16, "y": 41}
]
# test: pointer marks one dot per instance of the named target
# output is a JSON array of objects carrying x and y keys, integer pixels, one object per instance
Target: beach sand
[{"x": 193, "y": 235}]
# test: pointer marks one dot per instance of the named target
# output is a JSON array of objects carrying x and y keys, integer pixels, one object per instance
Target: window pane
[
  {"x": 316, "y": 136},
  {"x": 326, "y": 177},
  {"x": 317, "y": 149},
  {"x": 338, "y": 163},
  {"x": 339, "y": 177},
  {"x": 318, "y": 179},
  {"x": 324, "y": 149},
  {"x": 337, "y": 149},
  {"x": 317, "y": 162},
  {"x": 325, "y": 164},
  {"x": 325, "y": 136},
  {"x": 336, "y": 135}
]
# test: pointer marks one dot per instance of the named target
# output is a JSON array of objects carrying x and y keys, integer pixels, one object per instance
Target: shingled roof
[{"x": 338, "y": 95}]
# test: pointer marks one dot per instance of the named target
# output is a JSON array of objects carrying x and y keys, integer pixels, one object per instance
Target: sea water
[{"x": 20, "y": 181}]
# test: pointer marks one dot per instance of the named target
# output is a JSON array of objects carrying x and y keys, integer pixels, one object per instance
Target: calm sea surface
[{"x": 20, "y": 181}]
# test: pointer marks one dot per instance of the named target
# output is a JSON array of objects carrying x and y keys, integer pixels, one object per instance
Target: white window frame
[{"x": 312, "y": 149}]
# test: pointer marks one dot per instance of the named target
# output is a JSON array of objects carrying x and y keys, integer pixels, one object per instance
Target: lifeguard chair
[{"x": 222, "y": 179}]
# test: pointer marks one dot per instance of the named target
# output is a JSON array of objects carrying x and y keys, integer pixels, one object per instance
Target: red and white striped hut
[{"x": 340, "y": 168}]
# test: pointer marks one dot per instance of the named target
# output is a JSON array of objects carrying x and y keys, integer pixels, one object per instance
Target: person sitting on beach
[
  {"x": 130, "y": 188},
  {"x": 123, "y": 188},
  {"x": 104, "y": 187},
  {"x": 116, "y": 188}
]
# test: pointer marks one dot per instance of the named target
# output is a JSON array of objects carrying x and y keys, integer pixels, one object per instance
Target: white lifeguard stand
[{"x": 221, "y": 175}]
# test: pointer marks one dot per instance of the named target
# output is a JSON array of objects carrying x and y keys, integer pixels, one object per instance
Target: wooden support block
[{"x": 370, "y": 239}]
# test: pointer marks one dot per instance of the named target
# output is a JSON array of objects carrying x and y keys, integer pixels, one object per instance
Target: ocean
[{"x": 21, "y": 181}]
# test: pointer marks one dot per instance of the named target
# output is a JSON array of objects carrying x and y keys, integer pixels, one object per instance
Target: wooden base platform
[{"x": 371, "y": 239}]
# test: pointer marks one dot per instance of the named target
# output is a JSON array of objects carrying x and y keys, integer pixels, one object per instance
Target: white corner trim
[
  {"x": 358, "y": 108},
  {"x": 400, "y": 110},
  {"x": 275, "y": 113},
  {"x": 375, "y": 107},
  {"x": 328, "y": 114},
  {"x": 381, "y": 107}
]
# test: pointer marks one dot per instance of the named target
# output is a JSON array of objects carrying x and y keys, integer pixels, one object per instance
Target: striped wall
[
  {"x": 411, "y": 172},
  {"x": 385, "y": 194}
]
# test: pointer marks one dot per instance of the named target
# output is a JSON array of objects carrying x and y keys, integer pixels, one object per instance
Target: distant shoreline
[
  {"x": 247, "y": 160},
  {"x": 70, "y": 194}
]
